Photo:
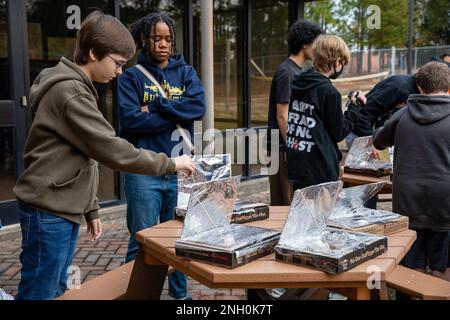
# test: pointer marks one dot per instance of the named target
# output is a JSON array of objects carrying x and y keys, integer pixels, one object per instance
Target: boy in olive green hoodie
[{"x": 67, "y": 139}]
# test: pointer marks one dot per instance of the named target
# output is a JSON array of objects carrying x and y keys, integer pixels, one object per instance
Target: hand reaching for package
[{"x": 184, "y": 163}]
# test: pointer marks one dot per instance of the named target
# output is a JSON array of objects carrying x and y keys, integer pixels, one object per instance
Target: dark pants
[{"x": 280, "y": 187}]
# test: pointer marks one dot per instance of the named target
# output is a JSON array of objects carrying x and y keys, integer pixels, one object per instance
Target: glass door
[{"x": 12, "y": 106}]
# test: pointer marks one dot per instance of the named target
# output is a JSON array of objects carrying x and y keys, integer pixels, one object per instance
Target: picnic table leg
[
  {"x": 383, "y": 291},
  {"x": 363, "y": 293},
  {"x": 147, "y": 281}
]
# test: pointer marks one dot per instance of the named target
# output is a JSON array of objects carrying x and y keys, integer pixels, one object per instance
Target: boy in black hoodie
[
  {"x": 421, "y": 184},
  {"x": 300, "y": 39},
  {"x": 315, "y": 121}
]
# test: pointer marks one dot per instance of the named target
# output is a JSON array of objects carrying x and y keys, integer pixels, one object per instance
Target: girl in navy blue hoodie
[{"x": 147, "y": 118}]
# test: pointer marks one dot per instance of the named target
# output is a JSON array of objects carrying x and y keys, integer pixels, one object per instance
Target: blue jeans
[
  {"x": 150, "y": 199},
  {"x": 48, "y": 247}
]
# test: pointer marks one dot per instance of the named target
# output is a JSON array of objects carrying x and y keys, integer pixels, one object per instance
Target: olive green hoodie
[{"x": 67, "y": 138}]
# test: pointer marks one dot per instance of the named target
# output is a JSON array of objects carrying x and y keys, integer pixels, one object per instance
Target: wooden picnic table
[
  {"x": 157, "y": 253},
  {"x": 352, "y": 179}
]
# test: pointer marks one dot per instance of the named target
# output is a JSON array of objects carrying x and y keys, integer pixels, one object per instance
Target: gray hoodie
[
  {"x": 420, "y": 134},
  {"x": 67, "y": 138}
]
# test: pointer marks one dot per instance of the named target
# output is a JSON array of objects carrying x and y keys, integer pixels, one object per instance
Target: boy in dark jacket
[
  {"x": 148, "y": 118},
  {"x": 300, "y": 39},
  {"x": 388, "y": 96},
  {"x": 420, "y": 135},
  {"x": 315, "y": 121}
]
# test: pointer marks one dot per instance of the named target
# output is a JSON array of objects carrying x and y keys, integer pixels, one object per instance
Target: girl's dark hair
[
  {"x": 447, "y": 54},
  {"x": 302, "y": 32},
  {"x": 103, "y": 34},
  {"x": 145, "y": 25}
]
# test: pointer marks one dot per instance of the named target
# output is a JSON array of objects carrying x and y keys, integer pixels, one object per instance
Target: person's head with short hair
[
  {"x": 433, "y": 78},
  {"x": 155, "y": 35},
  {"x": 103, "y": 46},
  {"x": 445, "y": 57},
  {"x": 330, "y": 55},
  {"x": 301, "y": 37}
]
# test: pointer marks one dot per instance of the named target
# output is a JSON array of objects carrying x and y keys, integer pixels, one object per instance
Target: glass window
[
  {"x": 6, "y": 163},
  {"x": 382, "y": 49},
  {"x": 270, "y": 27},
  {"x": 5, "y": 88},
  {"x": 269, "y": 48},
  {"x": 227, "y": 71},
  {"x": 52, "y": 27},
  {"x": 6, "y": 133}
]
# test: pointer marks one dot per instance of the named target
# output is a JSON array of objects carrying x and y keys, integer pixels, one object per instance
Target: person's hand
[
  {"x": 94, "y": 229},
  {"x": 184, "y": 163},
  {"x": 375, "y": 154},
  {"x": 358, "y": 95},
  {"x": 144, "y": 108}
]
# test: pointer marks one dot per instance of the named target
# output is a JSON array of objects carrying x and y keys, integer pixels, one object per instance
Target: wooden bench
[
  {"x": 111, "y": 285},
  {"x": 418, "y": 284}
]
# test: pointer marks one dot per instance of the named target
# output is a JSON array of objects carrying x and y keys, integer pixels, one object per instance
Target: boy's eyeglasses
[{"x": 118, "y": 64}]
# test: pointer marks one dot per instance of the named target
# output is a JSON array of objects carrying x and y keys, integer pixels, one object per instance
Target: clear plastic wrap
[
  {"x": 306, "y": 239},
  {"x": 361, "y": 217},
  {"x": 227, "y": 238},
  {"x": 210, "y": 205},
  {"x": 207, "y": 168},
  {"x": 360, "y": 160},
  {"x": 308, "y": 215},
  {"x": 350, "y": 213},
  {"x": 350, "y": 199},
  {"x": 207, "y": 234}
]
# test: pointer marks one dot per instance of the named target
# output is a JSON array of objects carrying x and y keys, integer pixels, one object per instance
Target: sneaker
[
  {"x": 336, "y": 296},
  {"x": 5, "y": 296},
  {"x": 185, "y": 298},
  {"x": 277, "y": 292}
]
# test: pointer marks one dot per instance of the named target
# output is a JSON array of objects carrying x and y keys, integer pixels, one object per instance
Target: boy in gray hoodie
[
  {"x": 420, "y": 134},
  {"x": 68, "y": 137}
]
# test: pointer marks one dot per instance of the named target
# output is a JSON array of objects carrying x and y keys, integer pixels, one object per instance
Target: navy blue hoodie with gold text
[{"x": 185, "y": 103}]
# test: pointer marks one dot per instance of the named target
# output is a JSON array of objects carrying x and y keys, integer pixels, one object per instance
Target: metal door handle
[{"x": 23, "y": 101}]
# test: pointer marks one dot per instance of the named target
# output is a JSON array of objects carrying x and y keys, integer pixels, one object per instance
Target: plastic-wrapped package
[
  {"x": 354, "y": 198},
  {"x": 359, "y": 159},
  {"x": 210, "y": 205},
  {"x": 350, "y": 213},
  {"x": 207, "y": 234},
  {"x": 207, "y": 168},
  {"x": 243, "y": 212},
  {"x": 307, "y": 240}
]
